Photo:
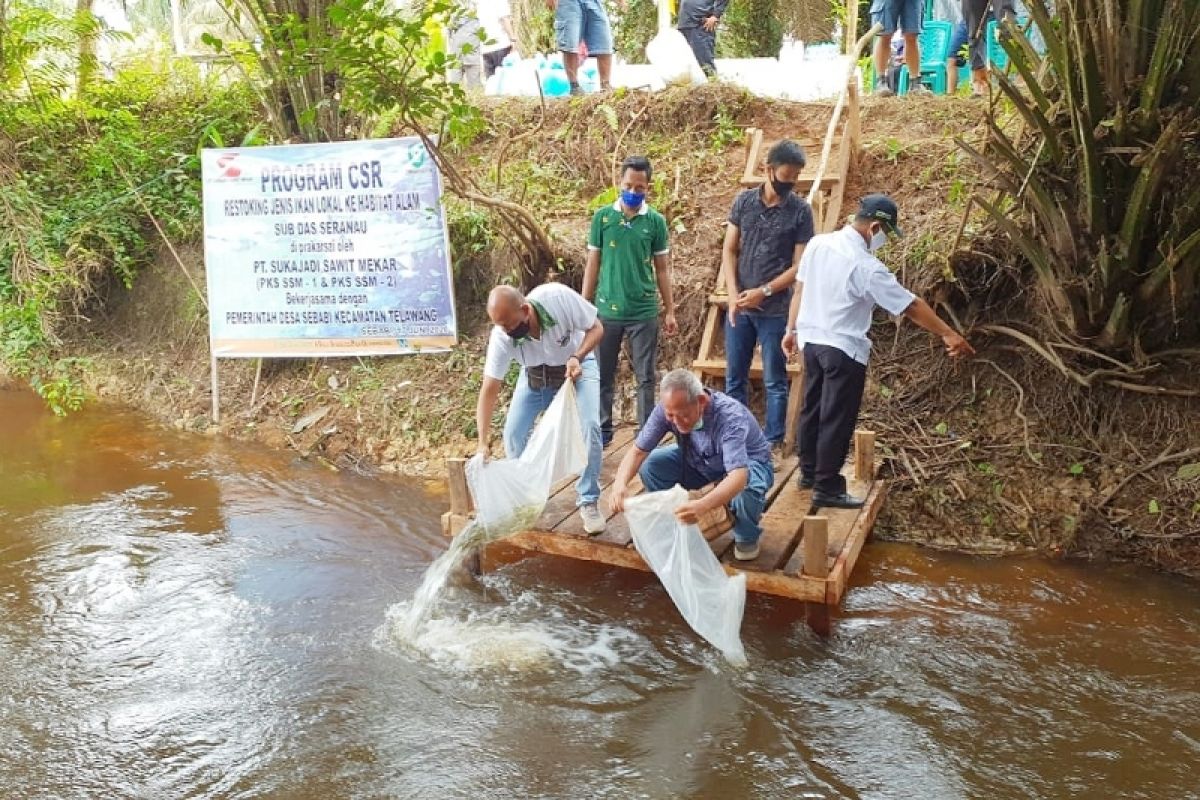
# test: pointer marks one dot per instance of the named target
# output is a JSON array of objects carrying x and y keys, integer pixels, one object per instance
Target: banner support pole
[{"x": 216, "y": 391}]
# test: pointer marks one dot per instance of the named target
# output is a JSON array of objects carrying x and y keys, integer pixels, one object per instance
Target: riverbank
[{"x": 999, "y": 455}]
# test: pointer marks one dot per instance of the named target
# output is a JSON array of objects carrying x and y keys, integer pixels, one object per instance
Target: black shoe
[
  {"x": 806, "y": 483},
  {"x": 843, "y": 500}
]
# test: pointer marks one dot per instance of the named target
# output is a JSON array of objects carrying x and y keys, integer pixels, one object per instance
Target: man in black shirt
[
  {"x": 767, "y": 230},
  {"x": 698, "y": 23}
]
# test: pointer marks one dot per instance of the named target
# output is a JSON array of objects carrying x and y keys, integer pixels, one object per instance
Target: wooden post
[
  {"x": 461, "y": 506},
  {"x": 864, "y": 455},
  {"x": 254, "y": 391},
  {"x": 816, "y": 541},
  {"x": 816, "y": 563},
  {"x": 460, "y": 494},
  {"x": 216, "y": 391}
]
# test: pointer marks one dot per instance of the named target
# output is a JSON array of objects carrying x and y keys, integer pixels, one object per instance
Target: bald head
[{"x": 506, "y": 307}]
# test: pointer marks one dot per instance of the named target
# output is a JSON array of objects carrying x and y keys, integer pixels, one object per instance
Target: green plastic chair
[
  {"x": 996, "y": 55},
  {"x": 934, "y": 42}
]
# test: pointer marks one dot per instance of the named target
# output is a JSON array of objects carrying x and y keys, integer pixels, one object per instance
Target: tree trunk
[{"x": 87, "y": 46}]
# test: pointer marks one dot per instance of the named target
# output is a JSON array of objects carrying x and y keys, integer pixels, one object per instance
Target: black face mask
[
  {"x": 782, "y": 188},
  {"x": 520, "y": 332}
]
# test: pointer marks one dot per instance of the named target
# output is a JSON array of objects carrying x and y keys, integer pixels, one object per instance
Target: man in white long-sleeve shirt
[{"x": 838, "y": 285}]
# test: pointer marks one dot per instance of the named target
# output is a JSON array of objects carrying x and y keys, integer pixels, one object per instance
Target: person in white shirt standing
[
  {"x": 495, "y": 16},
  {"x": 839, "y": 283},
  {"x": 551, "y": 333}
]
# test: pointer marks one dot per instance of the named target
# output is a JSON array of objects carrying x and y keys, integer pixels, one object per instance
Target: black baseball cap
[{"x": 882, "y": 208}]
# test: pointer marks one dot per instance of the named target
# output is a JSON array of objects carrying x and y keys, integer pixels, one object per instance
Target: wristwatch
[{"x": 767, "y": 290}]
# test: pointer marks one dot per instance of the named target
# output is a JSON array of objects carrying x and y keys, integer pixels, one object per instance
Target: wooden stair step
[{"x": 716, "y": 366}]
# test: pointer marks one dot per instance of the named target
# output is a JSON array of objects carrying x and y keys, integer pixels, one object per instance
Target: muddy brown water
[{"x": 188, "y": 618}]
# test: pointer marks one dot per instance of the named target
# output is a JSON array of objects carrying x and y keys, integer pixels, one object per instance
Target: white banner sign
[{"x": 326, "y": 250}]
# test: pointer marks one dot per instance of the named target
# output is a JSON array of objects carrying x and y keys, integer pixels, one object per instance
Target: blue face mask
[{"x": 632, "y": 200}]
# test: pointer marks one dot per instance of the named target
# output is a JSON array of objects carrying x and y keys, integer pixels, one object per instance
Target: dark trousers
[
  {"x": 833, "y": 389},
  {"x": 493, "y": 60},
  {"x": 642, "y": 336},
  {"x": 704, "y": 45},
  {"x": 975, "y": 14}
]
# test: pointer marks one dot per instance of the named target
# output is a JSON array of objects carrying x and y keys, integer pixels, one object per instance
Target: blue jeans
[
  {"x": 664, "y": 468},
  {"x": 528, "y": 404},
  {"x": 739, "y": 352}
]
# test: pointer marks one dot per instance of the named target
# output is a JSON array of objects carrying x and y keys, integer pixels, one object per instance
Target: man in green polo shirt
[{"x": 627, "y": 272}]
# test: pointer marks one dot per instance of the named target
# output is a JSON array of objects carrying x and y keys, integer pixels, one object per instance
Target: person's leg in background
[
  {"x": 884, "y": 12},
  {"x": 568, "y": 29},
  {"x": 956, "y": 60},
  {"x": 587, "y": 394},
  {"x": 841, "y": 398},
  {"x": 911, "y": 12},
  {"x": 739, "y": 351},
  {"x": 810, "y": 417},
  {"x": 608, "y": 353},
  {"x": 597, "y": 35},
  {"x": 704, "y": 47},
  {"x": 974, "y": 12},
  {"x": 775, "y": 377},
  {"x": 523, "y": 412},
  {"x": 643, "y": 357}
]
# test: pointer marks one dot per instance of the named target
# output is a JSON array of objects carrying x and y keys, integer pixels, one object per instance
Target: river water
[{"x": 187, "y": 618}]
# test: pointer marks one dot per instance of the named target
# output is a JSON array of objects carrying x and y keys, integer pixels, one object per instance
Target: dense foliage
[{"x": 1098, "y": 190}]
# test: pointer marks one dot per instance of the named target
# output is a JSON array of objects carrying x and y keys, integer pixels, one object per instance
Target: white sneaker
[
  {"x": 593, "y": 520},
  {"x": 745, "y": 552}
]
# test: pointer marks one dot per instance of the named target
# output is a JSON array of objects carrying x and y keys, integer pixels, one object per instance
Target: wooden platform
[{"x": 807, "y": 554}]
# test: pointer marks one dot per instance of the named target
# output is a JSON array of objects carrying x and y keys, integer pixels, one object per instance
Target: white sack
[
  {"x": 711, "y": 601},
  {"x": 510, "y": 494}
]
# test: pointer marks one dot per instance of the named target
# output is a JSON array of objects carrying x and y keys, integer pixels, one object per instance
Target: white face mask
[{"x": 878, "y": 240}]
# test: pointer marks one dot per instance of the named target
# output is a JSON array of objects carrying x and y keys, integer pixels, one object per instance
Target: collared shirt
[
  {"x": 843, "y": 283},
  {"x": 769, "y": 235},
  {"x": 627, "y": 288},
  {"x": 692, "y": 13},
  {"x": 730, "y": 438},
  {"x": 563, "y": 316}
]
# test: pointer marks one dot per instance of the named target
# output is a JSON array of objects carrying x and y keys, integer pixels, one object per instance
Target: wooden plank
[
  {"x": 844, "y": 565},
  {"x": 711, "y": 366},
  {"x": 816, "y": 542},
  {"x": 562, "y": 503},
  {"x": 460, "y": 492},
  {"x": 803, "y": 588},
  {"x": 804, "y": 181}
]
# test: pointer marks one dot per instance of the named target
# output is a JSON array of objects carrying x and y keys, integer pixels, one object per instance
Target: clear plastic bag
[
  {"x": 510, "y": 494},
  {"x": 711, "y": 601}
]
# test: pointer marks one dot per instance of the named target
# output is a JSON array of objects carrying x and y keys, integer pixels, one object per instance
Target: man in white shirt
[
  {"x": 551, "y": 333},
  {"x": 839, "y": 283},
  {"x": 495, "y": 16}
]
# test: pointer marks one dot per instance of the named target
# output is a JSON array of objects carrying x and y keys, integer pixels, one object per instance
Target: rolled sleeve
[
  {"x": 581, "y": 313},
  {"x": 887, "y": 293},
  {"x": 596, "y": 234},
  {"x": 499, "y": 356},
  {"x": 653, "y": 431}
]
